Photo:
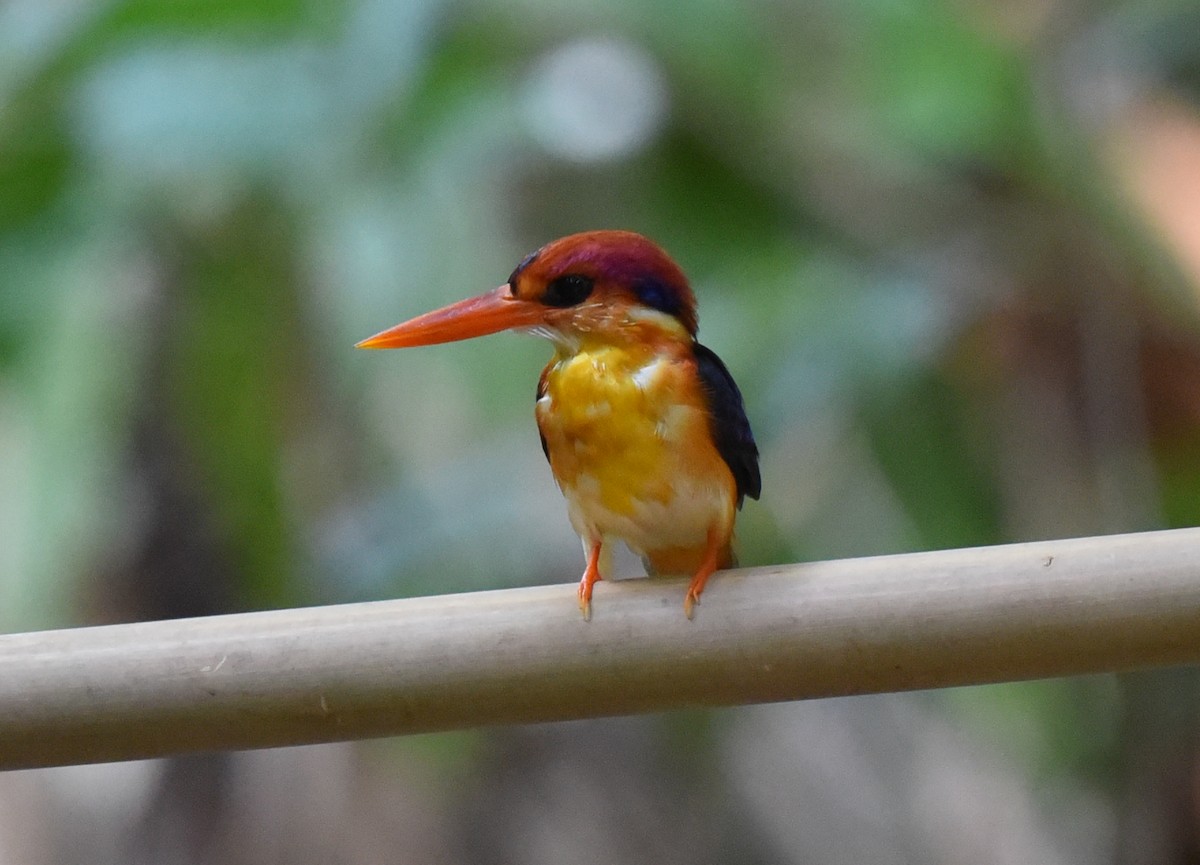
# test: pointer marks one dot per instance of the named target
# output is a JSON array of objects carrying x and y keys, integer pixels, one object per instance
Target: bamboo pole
[{"x": 890, "y": 623}]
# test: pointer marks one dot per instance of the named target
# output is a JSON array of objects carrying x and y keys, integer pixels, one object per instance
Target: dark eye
[{"x": 567, "y": 290}]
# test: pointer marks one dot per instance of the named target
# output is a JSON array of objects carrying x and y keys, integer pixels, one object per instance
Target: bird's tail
[{"x": 685, "y": 561}]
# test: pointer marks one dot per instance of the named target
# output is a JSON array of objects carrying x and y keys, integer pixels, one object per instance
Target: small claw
[
  {"x": 689, "y": 603},
  {"x": 585, "y": 603}
]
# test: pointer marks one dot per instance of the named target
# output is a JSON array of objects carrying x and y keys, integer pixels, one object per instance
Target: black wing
[
  {"x": 730, "y": 429},
  {"x": 541, "y": 392}
]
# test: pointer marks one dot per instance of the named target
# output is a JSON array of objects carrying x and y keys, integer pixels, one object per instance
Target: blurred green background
[{"x": 949, "y": 250}]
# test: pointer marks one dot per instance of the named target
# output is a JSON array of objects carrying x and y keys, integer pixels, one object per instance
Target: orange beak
[{"x": 491, "y": 312}]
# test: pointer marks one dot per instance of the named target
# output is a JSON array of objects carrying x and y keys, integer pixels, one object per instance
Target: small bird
[{"x": 643, "y": 426}]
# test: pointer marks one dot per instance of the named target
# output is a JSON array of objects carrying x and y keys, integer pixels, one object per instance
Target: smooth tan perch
[{"x": 846, "y": 627}]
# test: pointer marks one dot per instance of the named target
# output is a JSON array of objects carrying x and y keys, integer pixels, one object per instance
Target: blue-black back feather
[
  {"x": 541, "y": 392},
  {"x": 730, "y": 428}
]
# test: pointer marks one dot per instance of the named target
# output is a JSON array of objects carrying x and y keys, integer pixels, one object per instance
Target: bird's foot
[
  {"x": 591, "y": 575},
  {"x": 707, "y": 568},
  {"x": 585, "y": 599}
]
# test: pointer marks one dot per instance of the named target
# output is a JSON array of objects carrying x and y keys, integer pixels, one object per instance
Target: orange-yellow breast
[{"x": 628, "y": 437}]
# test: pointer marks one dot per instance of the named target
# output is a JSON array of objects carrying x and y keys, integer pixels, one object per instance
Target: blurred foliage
[{"x": 948, "y": 250}]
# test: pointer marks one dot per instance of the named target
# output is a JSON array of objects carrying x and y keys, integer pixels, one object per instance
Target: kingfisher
[{"x": 644, "y": 428}]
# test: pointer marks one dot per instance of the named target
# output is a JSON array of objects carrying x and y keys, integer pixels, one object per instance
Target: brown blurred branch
[{"x": 890, "y": 623}]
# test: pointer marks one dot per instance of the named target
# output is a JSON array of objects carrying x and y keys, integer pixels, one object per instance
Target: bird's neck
[{"x": 637, "y": 338}]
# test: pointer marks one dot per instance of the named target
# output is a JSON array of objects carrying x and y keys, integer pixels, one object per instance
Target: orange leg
[
  {"x": 591, "y": 574},
  {"x": 707, "y": 568}
]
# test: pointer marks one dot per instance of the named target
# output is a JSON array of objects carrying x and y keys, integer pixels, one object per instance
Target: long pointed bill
[{"x": 492, "y": 312}]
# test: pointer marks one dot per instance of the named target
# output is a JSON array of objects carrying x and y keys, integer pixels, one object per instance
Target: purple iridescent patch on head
[{"x": 626, "y": 260}]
